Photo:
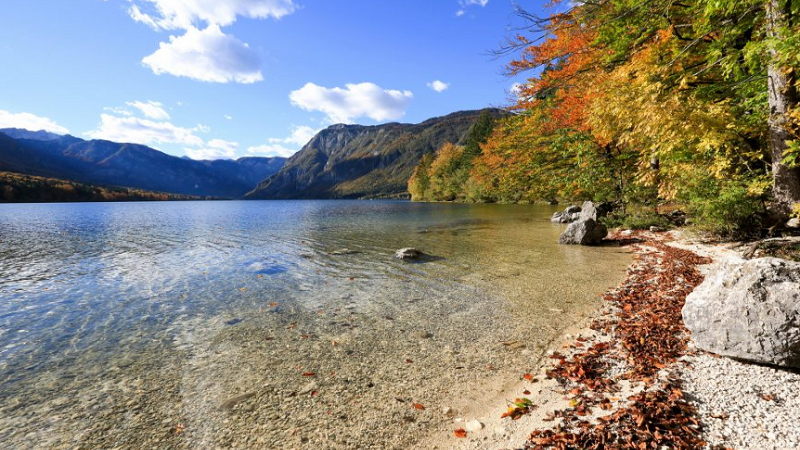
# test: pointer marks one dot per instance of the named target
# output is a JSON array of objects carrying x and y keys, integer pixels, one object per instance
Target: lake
[{"x": 273, "y": 324}]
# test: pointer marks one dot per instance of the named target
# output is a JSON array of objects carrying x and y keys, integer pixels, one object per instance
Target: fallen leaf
[
  {"x": 460, "y": 433},
  {"x": 309, "y": 374},
  {"x": 418, "y": 406}
]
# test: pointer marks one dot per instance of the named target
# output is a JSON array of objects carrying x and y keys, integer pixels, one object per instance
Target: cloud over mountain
[
  {"x": 29, "y": 121},
  {"x": 343, "y": 105}
]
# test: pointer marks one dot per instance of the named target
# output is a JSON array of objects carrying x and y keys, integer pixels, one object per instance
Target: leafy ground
[{"x": 622, "y": 381}]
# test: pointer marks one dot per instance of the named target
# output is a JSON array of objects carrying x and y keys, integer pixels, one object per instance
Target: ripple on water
[{"x": 133, "y": 324}]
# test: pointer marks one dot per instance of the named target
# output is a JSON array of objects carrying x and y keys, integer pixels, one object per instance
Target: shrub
[{"x": 727, "y": 208}]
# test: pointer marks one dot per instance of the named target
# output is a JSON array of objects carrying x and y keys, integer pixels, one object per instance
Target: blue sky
[{"x": 230, "y": 78}]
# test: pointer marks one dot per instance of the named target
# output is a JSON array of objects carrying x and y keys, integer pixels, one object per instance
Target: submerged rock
[
  {"x": 230, "y": 403},
  {"x": 408, "y": 253},
  {"x": 344, "y": 251},
  {"x": 748, "y": 310}
]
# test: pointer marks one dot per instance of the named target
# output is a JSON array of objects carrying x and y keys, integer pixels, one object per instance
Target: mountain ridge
[
  {"x": 102, "y": 162},
  {"x": 364, "y": 161}
]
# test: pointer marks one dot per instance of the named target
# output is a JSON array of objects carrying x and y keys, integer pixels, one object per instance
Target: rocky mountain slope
[
  {"x": 356, "y": 161},
  {"x": 108, "y": 163}
]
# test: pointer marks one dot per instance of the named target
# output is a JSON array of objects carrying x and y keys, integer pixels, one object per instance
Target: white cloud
[
  {"x": 354, "y": 101},
  {"x": 516, "y": 88},
  {"x": 467, "y": 3},
  {"x": 271, "y": 150},
  {"x": 228, "y": 117},
  {"x": 29, "y": 121},
  {"x": 186, "y": 14},
  {"x": 154, "y": 129},
  {"x": 207, "y": 55},
  {"x": 299, "y": 136},
  {"x": 143, "y": 131},
  {"x": 438, "y": 86},
  {"x": 151, "y": 110},
  {"x": 214, "y": 149}
]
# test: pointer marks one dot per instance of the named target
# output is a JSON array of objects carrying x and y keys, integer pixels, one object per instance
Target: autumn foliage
[{"x": 641, "y": 103}]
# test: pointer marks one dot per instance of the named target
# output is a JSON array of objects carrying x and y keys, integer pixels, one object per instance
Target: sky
[{"x": 213, "y": 79}]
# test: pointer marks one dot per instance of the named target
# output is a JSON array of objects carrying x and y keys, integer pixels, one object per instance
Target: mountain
[
  {"x": 108, "y": 163},
  {"x": 356, "y": 161},
  {"x": 20, "y": 133}
]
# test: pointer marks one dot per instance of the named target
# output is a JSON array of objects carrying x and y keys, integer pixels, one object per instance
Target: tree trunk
[{"x": 782, "y": 97}]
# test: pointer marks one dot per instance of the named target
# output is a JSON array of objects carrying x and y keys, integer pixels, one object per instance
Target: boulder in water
[
  {"x": 408, "y": 253},
  {"x": 570, "y": 214},
  {"x": 583, "y": 232}
]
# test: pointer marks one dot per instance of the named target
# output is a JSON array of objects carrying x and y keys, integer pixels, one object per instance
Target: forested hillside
[{"x": 19, "y": 188}]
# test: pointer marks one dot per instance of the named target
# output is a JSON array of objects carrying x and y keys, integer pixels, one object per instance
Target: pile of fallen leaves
[{"x": 646, "y": 335}]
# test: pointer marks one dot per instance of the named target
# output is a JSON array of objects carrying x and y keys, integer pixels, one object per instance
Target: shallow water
[{"x": 197, "y": 324}]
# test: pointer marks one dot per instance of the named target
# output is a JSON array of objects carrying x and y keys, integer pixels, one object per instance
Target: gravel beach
[{"x": 738, "y": 405}]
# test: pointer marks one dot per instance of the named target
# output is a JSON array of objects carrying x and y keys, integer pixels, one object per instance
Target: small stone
[
  {"x": 310, "y": 387},
  {"x": 473, "y": 425},
  {"x": 422, "y": 335},
  {"x": 656, "y": 229}
]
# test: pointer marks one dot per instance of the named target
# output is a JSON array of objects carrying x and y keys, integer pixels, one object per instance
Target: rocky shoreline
[{"x": 633, "y": 378}]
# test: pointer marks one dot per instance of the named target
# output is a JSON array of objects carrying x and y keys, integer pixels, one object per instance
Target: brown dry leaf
[
  {"x": 460, "y": 433},
  {"x": 419, "y": 406},
  {"x": 309, "y": 374}
]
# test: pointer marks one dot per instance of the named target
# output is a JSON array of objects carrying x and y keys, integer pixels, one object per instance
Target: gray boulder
[
  {"x": 583, "y": 232},
  {"x": 595, "y": 211},
  {"x": 749, "y": 310},
  {"x": 569, "y": 215}
]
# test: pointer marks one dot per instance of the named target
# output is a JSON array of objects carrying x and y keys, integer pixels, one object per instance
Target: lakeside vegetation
[
  {"x": 643, "y": 104},
  {"x": 15, "y": 187}
]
